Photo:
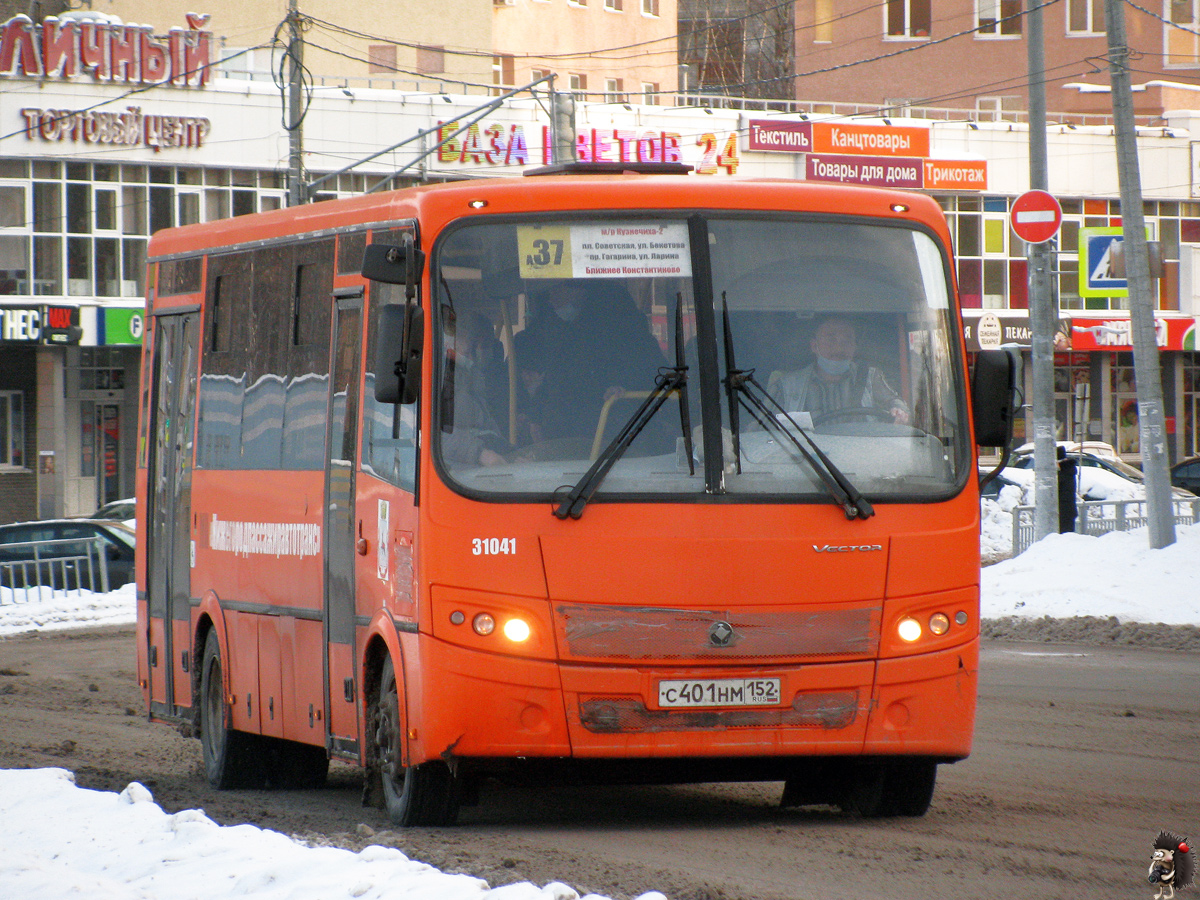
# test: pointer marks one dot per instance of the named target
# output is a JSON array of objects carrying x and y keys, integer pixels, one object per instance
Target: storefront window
[{"x": 12, "y": 428}]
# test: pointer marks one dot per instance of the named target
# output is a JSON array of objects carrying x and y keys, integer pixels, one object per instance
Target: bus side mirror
[
  {"x": 399, "y": 337},
  {"x": 995, "y": 382},
  {"x": 393, "y": 264}
]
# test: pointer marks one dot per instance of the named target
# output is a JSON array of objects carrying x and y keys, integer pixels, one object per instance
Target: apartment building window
[
  {"x": 381, "y": 59},
  {"x": 908, "y": 18},
  {"x": 649, "y": 7},
  {"x": 613, "y": 5},
  {"x": 650, "y": 93},
  {"x": 576, "y": 2},
  {"x": 614, "y": 90},
  {"x": 503, "y": 70},
  {"x": 999, "y": 109},
  {"x": 578, "y": 85},
  {"x": 431, "y": 60},
  {"x": 823, "y": 21},
  {"x": 1085, "y": 17},
  {"x": 1182, "y": 43},
  {"x": 998, "y": 18},
  {"x": 12, "y": 428}
]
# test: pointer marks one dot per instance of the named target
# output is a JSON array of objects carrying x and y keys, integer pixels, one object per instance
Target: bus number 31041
[{"x": 493, "y": 546}]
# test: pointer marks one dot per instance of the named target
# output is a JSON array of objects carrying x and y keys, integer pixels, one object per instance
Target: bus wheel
[
  {"x": 413, "y": 795},
  {"x": 893, "y": 787},
  {"x": 231, "y": 758}
]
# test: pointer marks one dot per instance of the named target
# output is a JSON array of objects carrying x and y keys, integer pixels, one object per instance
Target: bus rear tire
[
  {"x": 232, "y": 758},
  {"x": 422, "y": 795}
]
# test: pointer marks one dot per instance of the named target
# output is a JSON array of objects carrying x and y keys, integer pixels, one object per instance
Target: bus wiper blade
[
  {"x": 741, "y": 383},
  {"x": 666, "y": 382}
]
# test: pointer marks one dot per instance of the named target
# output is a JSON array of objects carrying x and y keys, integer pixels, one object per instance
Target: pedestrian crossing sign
[{"x": 1099, "y": 249}]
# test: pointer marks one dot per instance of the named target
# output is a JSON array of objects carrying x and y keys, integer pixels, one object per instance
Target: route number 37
[{"x": 493, "y": 546}]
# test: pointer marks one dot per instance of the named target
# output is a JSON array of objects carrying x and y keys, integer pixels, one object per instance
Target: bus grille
[
  {"x": 836, "y": 709},
  {"x": 644, "y": 633}
]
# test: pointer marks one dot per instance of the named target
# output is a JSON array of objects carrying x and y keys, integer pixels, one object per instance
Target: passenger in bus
[
  {"x": 596, "y": 344},
  {"x": 836, "y": 381},
  {"x": 471, "y": 435},
  {"x": 531, "y": 392}
]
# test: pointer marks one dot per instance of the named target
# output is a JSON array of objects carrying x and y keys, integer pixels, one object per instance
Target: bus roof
[{"x": 437, "y": 204}]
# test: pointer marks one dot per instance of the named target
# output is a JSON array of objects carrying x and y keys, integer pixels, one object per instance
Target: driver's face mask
[{"x": 833, "y": 367}]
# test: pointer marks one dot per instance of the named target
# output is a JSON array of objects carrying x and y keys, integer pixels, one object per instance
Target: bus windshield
[{"x": 553, "y": 333}]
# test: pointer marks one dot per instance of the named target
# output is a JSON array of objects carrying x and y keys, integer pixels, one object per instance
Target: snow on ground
[{"x": 61, "y": 841}]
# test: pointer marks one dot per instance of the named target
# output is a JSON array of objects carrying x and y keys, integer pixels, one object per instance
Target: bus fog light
[
  {"x": 484, "y": 624},
  {"x": 909, "y": 629},
  {"x": 517, "y": 630},
  {"x": 939, "y": 623}
]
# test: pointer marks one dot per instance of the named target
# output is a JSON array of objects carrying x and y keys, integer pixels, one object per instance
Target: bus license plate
[{"x": 719, "y": 692}]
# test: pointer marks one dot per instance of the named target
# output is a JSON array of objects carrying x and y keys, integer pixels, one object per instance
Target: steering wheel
[{"x": 850, "y": 412}]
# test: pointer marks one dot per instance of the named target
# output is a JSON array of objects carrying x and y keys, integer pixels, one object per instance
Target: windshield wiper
[
  {"x": 741, "y": 385},
  {"x": 667, "y": 382}
]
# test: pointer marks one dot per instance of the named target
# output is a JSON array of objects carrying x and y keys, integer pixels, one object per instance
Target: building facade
[
  {"x": 615, "y": 51},
  {"x": 972, "y": 54}
]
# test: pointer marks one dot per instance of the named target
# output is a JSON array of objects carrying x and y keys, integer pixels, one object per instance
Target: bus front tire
[
  {"x": 422, "y": 795},
  {"x": 893, "y": 787},
  {"x": 232, "y": 758}
]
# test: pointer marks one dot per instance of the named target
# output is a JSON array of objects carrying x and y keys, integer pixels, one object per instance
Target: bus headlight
[
  {"x": 517, "y": 630},
  {"x": 939, "y": 623},
  {"x": 909, "y": 629},
  {"x": 484, "y": 624}
]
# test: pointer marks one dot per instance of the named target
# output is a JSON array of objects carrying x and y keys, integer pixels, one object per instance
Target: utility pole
[
  {"x": 297, "y": 194},
  {"x": 1043, "y": 316},
  {"x": 1147, "y": 370},
  {"x": 562, "y": 124}
]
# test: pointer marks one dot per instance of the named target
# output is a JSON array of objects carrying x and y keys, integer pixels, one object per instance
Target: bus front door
[
  {"x": 168, "y": 512},
  {"x": 341, "y": 684}
]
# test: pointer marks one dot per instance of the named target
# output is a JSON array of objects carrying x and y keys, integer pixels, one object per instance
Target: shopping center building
[{"x": 108, "y": 134}]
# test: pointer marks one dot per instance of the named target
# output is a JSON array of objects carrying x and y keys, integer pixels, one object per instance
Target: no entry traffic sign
[{"x": 1036, "y": 217}]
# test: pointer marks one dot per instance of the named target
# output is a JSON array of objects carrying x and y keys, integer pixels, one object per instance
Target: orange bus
[{"x": 624, "y": 476}]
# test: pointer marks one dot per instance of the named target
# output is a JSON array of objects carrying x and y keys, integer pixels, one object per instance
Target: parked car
[
  {"x": 1186, "y": 474},
  {"x": 118, "y": 510},
  {"x": 1102, "y": 474},
  {"x": 62, "y": 560},
  {"x": 1006, "y": 477}
]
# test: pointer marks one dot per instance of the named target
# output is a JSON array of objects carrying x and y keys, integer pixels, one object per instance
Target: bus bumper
[{"x": 494, "y": 706}]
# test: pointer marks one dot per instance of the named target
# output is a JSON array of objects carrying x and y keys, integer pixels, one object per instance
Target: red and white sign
[{"x": 1036, "y": 217}]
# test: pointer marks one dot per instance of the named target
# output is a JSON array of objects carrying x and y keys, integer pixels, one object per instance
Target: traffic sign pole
[{"x": 1036, "y": 217}]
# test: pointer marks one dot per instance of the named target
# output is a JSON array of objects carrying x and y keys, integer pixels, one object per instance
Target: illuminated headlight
[
  {"x": 939, "y": 623},
  {"x": 484, "y": 624},
  {"x": 909, "y": 629},
  {"x": 517, "y": 630}
]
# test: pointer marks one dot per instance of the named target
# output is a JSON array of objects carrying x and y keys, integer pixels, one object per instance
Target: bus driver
[{"x": 835, "y": 380}]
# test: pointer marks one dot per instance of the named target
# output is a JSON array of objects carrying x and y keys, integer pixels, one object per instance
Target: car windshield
[{"x": 551, "y": 334}]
